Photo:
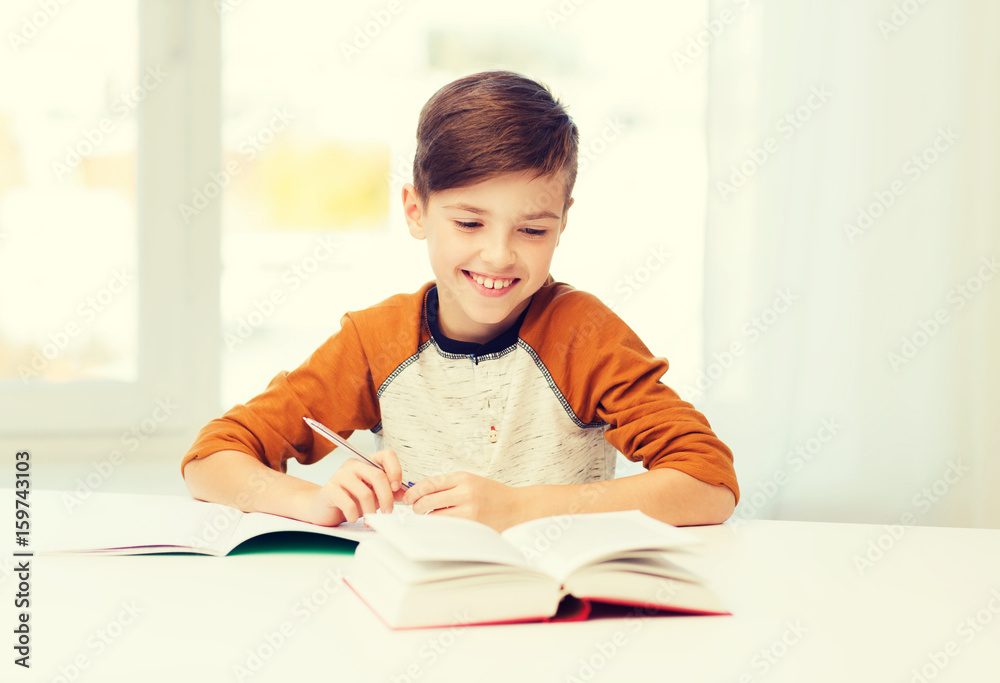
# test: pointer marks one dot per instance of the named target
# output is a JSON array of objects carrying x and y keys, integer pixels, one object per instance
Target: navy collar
[{"x": 504, "y": 340}]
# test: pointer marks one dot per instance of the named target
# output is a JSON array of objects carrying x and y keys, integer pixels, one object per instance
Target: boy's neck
[{"x": 499, "y": 342}]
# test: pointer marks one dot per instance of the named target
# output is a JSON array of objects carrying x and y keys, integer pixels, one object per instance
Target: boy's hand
[
  {"x": 357, "y": 489},
  {"x": 466, "y": 495}
]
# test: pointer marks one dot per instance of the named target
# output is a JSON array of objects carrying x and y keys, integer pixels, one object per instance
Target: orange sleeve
[
  {"x": 334, "y": 386},
  {"x": 607, "y": 374}
]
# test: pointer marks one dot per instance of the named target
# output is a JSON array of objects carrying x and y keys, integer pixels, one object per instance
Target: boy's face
[{"x": 490, "y": 248}]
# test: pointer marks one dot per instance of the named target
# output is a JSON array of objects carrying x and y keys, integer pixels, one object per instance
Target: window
[
  {"x": 274, "y": 139},
  {"x": 69, "y": 275},
  {"x": 100, "y": 130},
  {"x": 319, "y": 131}
]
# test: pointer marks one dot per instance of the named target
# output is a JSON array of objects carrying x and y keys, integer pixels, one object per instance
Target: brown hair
[{"x": 488, "y": 124}]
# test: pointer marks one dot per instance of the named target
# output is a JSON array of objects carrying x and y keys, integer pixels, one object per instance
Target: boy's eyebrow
[{"x": 483, "y": 212}]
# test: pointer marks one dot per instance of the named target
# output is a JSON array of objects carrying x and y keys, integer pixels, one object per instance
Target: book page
[
  {"x": 253, "y": 524},
  {"x": 653, "y": 562},
  {"x": 647, "y": 586},
  {"x": 432, "y": 571},
  {"x": 560, "y": 545},
  {"x": 66, "y": 522},
  {"x": 438, "y": 538},
  {"x": 409, "y": 594}
]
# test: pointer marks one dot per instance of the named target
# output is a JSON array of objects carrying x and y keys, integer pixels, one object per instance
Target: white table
[{"x": 803, "y": 611}]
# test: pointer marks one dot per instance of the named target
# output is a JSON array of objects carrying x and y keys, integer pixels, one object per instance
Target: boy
[{"x": 501, "y": 393}]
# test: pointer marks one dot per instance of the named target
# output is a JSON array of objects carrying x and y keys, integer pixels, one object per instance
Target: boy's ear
[{"x": 413, "y": 211}]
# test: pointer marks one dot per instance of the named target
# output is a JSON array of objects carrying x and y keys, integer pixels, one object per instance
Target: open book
[
  {"x": 420, "y": 571},
  {"x": 141, "y": 524}
]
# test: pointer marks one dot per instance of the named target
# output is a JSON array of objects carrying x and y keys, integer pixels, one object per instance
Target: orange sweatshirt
[{"x": 548, "y": 402}]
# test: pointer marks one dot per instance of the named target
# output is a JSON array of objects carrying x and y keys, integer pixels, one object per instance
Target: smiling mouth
[{"x": 491, "y": 283}]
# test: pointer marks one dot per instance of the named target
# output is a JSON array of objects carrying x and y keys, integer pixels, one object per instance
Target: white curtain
[{"x": 852, "y": 241}]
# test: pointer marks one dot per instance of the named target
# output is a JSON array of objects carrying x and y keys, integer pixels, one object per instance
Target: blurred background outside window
[
  {"x": 68, "y": 233},
  {"x": 320, "y": 106}
]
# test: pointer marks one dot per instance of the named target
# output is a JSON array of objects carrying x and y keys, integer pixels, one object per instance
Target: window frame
[{"x": 178, "y": 147}]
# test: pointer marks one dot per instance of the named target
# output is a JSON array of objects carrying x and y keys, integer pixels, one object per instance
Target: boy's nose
[{"x": 497, "y": 252}]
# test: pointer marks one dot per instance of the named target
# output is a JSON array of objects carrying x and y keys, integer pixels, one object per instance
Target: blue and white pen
[{"x": 334, "y": 437}]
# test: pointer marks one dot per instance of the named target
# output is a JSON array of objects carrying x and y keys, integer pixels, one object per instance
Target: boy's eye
[
  {"x": 468, "y": 225},
  {"x": 534, "y": 232}
]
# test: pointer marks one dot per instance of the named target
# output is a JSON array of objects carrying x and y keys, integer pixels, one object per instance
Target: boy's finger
[
  {"x": 363, "y": 494},
  {"x": 342, "y": 500},
  {"x": 439, "y": 500},
  {"x": 390, "y": 463},
  {"x": 352, "y": 465},
  {"x": 379, "y": 489},
  {"x": 425, "y": 487},
  {"x": 414, "y": 493}
]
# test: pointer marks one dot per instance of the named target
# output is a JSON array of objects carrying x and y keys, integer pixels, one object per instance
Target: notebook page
[
  {"x": 254, "y": 524},
  {"x": 62, "y": 522},
  {"x": 559, "y": 545}
]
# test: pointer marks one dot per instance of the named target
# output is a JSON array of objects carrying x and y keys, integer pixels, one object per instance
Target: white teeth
[{"x": 490, "y": 283}]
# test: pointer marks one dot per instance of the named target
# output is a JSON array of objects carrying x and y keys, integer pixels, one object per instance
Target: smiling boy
[
  {"x": 502, "y": 394},
  {"x": 488, "y": 255}
]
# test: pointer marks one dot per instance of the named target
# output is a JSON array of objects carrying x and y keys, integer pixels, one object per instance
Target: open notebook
[{"x": 140, "y": 524}]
